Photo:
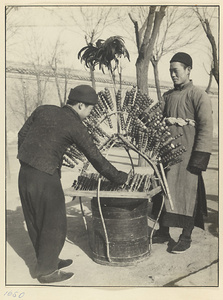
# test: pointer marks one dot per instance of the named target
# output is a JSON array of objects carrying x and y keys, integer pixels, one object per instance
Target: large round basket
[{"x": 126, "y": 228}]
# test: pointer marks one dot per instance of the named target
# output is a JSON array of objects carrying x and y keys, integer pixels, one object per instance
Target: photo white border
[{"x": 54, "y": 293}]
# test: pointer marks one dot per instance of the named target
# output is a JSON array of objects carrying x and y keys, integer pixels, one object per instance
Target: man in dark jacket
[
  {"x": 188, "y": 112},
  {"x": 42, "y": 142}
]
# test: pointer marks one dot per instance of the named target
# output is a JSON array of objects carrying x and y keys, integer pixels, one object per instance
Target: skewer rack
[
  {"x": 113, "y": 194},
  {"x": 150, "y": 140},
  {"x": 156, "y": 188}
]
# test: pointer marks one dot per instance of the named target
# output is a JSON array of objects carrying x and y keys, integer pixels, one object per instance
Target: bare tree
[
  {"x": 11, "y": 26},
  {"x": 210, "y": 73},
  {"x": 146, "y": 37},
  {"x": 93, "y": 22},
  {"x": 38, "y": 58},
  {"x": 11, "y": 21},
  {"x": 205, "y": 16},
  {"x": 89, "y": 21},
  {"x": 62, "y": 73},
  {"x": 11, "y": 30},
  {"x": 207, "y": 90},
  {"x": 24, "y": 104}
]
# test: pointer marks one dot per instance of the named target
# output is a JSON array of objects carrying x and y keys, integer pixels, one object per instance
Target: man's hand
[
  {"x": 194, "y": 170},
  {"x": 122, "y": 177}
]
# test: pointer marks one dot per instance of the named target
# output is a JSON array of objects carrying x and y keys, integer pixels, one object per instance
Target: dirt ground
[{"x": 197, "y": 267}]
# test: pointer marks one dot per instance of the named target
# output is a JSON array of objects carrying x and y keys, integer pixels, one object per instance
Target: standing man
[
  {"x": 188, "y": 111},
  {"x": 42, "y": 142}
]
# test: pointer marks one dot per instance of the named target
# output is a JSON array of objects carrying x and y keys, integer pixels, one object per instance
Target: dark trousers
[
  {"x": 167, "y": 220},
  {"x": 43, "y": 204}
]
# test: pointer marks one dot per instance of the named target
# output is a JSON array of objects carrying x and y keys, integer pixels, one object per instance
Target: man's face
[
  {"x": 85, "y": 111},
  {"x": 178, "y": 73}
]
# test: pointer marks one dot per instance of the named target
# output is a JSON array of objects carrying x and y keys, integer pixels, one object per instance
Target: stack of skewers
[{"x": 136, "y": 182}]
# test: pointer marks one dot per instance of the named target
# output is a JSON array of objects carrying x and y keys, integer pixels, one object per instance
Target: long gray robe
[{"x": 192, "y": 103}]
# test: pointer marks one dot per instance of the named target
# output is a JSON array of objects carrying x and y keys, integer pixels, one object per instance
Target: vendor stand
[{"x": 120, "y": 221}]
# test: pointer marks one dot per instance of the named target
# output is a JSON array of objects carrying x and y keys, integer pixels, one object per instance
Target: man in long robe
[{"x": 188, "y": 111}]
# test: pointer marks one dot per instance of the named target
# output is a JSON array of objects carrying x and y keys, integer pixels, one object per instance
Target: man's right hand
[{"x": 122, "y": 177}]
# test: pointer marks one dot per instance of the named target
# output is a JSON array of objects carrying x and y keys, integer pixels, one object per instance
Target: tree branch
[{"x": 136, "y": 31}]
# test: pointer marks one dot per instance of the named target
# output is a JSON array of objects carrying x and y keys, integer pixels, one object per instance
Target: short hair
[
  {"x": 75, "y": 102},
  {"x": 185, "y": 66}
]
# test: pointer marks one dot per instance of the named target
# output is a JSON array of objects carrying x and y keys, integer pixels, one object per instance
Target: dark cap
[
  {"x": 183, "y": 58},
  {"x": 82, "y": 93}
]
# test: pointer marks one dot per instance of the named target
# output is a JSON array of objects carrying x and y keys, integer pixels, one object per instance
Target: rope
[
  {"x": 83, "y": 215},
  {"x": 151, "y": 234},
  {"x": 161, "y": 179},
  {"x": 100, "y": 211},
  {"x": 85, "y": 224},
  {"x": 180, "y": 122},
  {"x": 166, "y": 185},
  {"x": 130, "y": 157},
  {"x": 103, "y": 221}
]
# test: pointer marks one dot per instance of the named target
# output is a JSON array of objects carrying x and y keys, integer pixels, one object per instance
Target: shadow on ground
[
  {"x": 18, "y": 238},
  {"x": 212, "y": 222},
  {"x": 76, "y": 230},
  {"x": 212, "y": 197}
]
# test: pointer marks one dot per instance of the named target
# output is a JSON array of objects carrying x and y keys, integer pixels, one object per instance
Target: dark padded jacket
[{"x": 48, "y": 132}]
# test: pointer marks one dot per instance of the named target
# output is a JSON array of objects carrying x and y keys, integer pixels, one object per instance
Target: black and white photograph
[{"x": 111, "y": 147}]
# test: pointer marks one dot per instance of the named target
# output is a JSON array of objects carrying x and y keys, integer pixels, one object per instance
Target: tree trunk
[
  {"x": 93, "y": 81},
  {"x": 214, "y": 51},
  {"x": 39, "y": 90},
  {"x": 210, "y": 82},
  {"x": 65, "y": 88},
  {"x": 156, "y": 77},
  {"x": 58, "y": 89},
  {"x": 207, "y": 29},
  {"x": 25, "y": 101},
  {"x": 146, "y": 48},
  {"x": 142, "y": 68},
  {"x": 54, "y": 68}
]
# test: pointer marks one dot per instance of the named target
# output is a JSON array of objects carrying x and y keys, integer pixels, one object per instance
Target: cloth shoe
[
  {"x": 56, "y": 276},
  {"x": 159, "y": 237},
  {"x": 63, "y": 263},
  {"x": 182, "y": 245}
]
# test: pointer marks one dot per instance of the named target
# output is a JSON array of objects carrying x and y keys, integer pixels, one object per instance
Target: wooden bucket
[{"x": 126, "y": 225}]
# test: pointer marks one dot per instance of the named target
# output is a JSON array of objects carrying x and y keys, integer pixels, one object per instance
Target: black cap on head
[
  {"x": 183, "y": 58},
  {"x": 83, "y": 93}
]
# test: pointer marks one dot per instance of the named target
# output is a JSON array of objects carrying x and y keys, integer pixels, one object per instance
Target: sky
[{"x": 36, "y": 30}]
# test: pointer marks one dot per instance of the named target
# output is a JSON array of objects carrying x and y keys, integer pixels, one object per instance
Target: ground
[{"x": 197, "y": 267}]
